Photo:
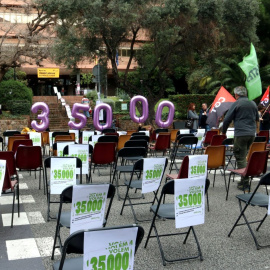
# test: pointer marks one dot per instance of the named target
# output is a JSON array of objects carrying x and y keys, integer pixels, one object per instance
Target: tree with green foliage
[{"x": 183, "y": 36}]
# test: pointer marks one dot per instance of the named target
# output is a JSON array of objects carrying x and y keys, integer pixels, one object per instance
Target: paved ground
[{"x": 28, "y": 245}]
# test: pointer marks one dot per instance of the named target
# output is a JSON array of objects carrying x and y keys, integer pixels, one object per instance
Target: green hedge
[
  {"x": 110, "y": 102},
  {"x": 181, "y": 103},
  {"x": 14, "y": 90},
  {"x": 19, "y": 107},
  {"x": 118, "y": 106}
]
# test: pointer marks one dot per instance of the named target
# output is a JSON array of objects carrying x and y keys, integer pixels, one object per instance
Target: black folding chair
[
  {"x": 63, "y": 218},
  {"x": 253, "y": 199},
  {"x": 260, "y": 139},
  {"x": 75, "y": 244},
  {"x": 108, "y": 138},
  {"x": 125, "y": 154},
  {"x": 167, "y": 211},
  {"x": 140, "y": 137},
  {"x": 108, "y": 130},
  {"x": 47, "y": 166},
  {"x": 183, "y": 148},
  {"x": 137, "y": 184}
]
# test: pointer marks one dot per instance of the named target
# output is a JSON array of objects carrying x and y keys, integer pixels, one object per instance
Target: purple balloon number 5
[
  {"x": 43, "y": 116},
  {"x": 76, "y": 114}
]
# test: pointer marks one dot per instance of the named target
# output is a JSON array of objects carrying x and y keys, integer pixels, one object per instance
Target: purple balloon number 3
[
  {"x": 43, "y": 116},
  {"x": 76, "y": 114}
]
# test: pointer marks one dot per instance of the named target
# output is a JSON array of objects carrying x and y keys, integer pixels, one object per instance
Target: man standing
[
  {"x": 244, "y": 113},
  {"x": 86, "y": 101},
  {"x": 203, "y": 117}
]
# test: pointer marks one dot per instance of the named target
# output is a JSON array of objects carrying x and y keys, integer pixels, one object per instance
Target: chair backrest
[
  {"x": 138, "y": 133},
  {"x": 255, "y": 147},
  {"x": 132, "y": 152},
  {"x": 218, "y": 139},
  {"x": 260, "y": 139},
  {"x": 264, "y": 133},
  {"x": 179, "y": 136},
  {"x": 174, "y": 134},
  {"x": 136, "y": 143},
  {"x": 228, "y": 141},
  {"x": 216, "y": 156},
  {"x": 104, "y": 153},
  {"x": 158, "y": 130},
  {"x": 163, "y": 141},
  {"x": 257, "y": 164},
  {"x": 28, "y": 157},
  {"x": 217, "y": 130},
  {"x": 72, "y": 135},
  {"x": 11, "y": 139},
  {"x": 26, "y": 136},
  {"x": 75, "y": 242},
  {"x": 108, "y": 138},
  {"x": 183, "y": 172},
  {"x": 130, "y": 132},
  {"x": 122, "y": 140},
  {"x": 61, "y": 138},
  {"x": 188, "y": 140},
  {"x": 45, "y": 137},
  {"x": 9, "y": 133},
  {"x": 9, "y": 157},
  {"x": 209, "y": 135},
  {"x": 141, "y": 137},
  {"x": 21, "y": 142},
  {"x": 112, "y": 134},
  {"x": 108, "y": 130},
  {"x": 55, "y": 133},
  {"x": 7, "y": 181}
]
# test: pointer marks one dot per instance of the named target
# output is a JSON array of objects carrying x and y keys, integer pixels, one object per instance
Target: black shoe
[{"x": 243, "y": 186}]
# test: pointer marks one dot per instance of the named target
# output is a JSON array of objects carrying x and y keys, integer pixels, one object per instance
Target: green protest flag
[{"x": 251, "y": 68}]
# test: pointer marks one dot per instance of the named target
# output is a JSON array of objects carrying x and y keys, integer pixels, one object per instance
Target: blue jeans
[{"x": 86, "y": 113}]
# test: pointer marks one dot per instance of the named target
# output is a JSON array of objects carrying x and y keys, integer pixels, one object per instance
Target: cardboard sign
[
  {"x": 2, "y": 173},
  {"x": 197, "y": 166}
]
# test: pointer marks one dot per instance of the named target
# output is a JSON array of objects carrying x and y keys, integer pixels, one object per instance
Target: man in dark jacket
[
  {"x": 203, "y": 117},
  {"x": 244, "y": 113}
]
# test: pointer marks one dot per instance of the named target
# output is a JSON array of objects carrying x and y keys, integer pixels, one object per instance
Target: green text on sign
[
  {"x": 190, "y": 199},
  {"x": 90, "y": 206},
  {"x": 63, "y": 174}
]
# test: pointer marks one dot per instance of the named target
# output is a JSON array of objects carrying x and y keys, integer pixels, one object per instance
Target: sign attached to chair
[
  {"x": 86, "y": 135},
  {"x": 189, "y": 202},
  {"x": 2, "y": 173},
  {"x": 197, "y": 166},
  {"x": 82, "y": 152},
  {"x": 61, "y": 146},
  {"x": 95, "y": 139},
  {"x": 88, "y": 207},
  {"x": 63, "y": 174},
  {"x": 152, "y": 173},
  {"x": 110, "y": 249},
  {"x": 36, "y": 138}
]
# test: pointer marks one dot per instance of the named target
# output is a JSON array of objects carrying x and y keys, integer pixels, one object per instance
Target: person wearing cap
[{"x": 244, "y": 113}]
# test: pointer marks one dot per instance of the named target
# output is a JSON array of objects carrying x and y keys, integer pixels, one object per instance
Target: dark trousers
[{"x": 240, "y": 149}]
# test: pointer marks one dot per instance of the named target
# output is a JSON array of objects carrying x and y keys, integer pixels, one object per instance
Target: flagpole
[{"x": 265, "y": 110}]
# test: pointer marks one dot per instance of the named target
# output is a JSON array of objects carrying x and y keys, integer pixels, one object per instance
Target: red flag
[
  {"x": 221, "y": 104},
  {"x": 265, "y": 99}
]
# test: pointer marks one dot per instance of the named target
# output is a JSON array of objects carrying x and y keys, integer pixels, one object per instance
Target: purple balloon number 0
[
  {"x": 169, "y": 120},
  {"x": 132, "y": 109},
  {"x": 76, "y": 114},
  {"x": 43, "y": 116},
  {"x": 108, "y": 109}
]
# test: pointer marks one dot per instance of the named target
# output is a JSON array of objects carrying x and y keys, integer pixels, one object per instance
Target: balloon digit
[
  {"x": 76, "y": 114},
  {"x": 108, "y": 109},
  {"x": 132, "y": 110},
  {"x": 169, "y": 120},
  {"x": 43, "y": 116}
]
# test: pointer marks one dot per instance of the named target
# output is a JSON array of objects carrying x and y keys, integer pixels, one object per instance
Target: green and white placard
[
  {"x": 110, "y": 250},
  {"x": 63, "y": 174},
  {"x": 230, "y": 134},
  {"x": 184, "y": 131},
  {"x": 122, "y": 133},
  {"x": 197, "y": 166},
  {"x": 152, "y": 173},
  {"x": 82, "y": 152},
  {"x": 88, "y": 207},
  {"x": 94, "y": 139},
  {"x": 36, "y": 138},
  {"x": 2, "y": 173},
  {"x": 189, "y": 201},
  {"x": 51, "y": 139},
  {"x": 76, "y": 134},
  {"x": 200, "y": 136},
  {"x": 146, "y": 132},
  {"x": 61, "y": 146},
  {"x": 86, "y": 135}
]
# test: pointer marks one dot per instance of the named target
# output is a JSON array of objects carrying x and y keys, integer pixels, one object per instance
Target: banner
[
  {"x": 197, "y": 166},
  {"x": 222, "y": 103},
  {"x": 251, "y": 68},
  {"x": 63, "y": 174},
  {"x": 152, "y": 173},
  {"x": 189, "y": 202},
  {"x": 265, "y": 99},
  {"x": 110, "y": 249},
  {"x": 86, "y": 135},
  {"x": 36, "y": 138},
  {"x": 88, "y": 207},
  {"x": 82, "y": 152},
  {"x": 2, "y": 173}
]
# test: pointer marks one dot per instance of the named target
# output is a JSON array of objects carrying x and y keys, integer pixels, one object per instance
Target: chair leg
[
  {"x": 12, "y": 215},
  {"x": 228, "y": 186},
  {"x": 207, "y": 199},
  {"x": 262, "y": 222}
]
